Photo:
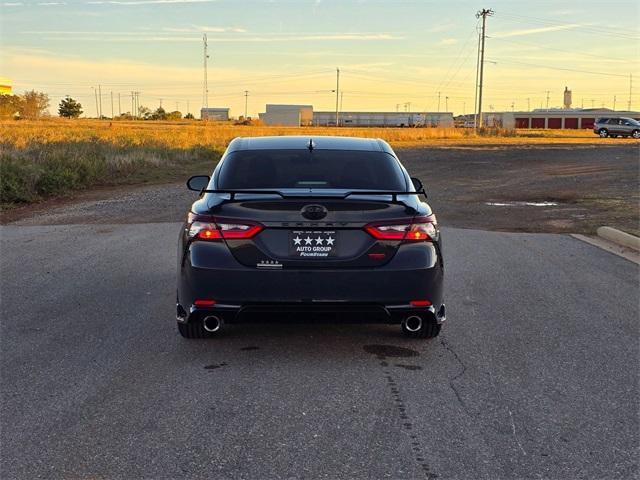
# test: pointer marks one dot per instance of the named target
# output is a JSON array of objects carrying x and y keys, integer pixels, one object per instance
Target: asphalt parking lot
[{"x": 534, "y": 375}]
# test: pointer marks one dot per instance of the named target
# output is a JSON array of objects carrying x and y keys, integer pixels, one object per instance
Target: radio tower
[{"x": 205, "y": 86}]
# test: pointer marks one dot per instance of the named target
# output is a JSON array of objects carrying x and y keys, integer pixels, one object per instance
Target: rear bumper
[
  {"x": 311, "y": 313},
  {"x": 381, "y": 294}
]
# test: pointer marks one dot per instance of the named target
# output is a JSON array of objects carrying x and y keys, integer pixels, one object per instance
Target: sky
[{"x": 392, "y": 55}]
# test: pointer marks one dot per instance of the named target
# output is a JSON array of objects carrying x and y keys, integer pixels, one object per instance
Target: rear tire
[
  {"x": 635, "y": 134},
  {"x": 429, "y": 329},
  {"x": 603, "y": 132},
  {"x": 192, "y": 330}
]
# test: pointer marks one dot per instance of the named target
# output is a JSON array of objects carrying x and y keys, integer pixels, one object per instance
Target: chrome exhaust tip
[
  {"x": 212, "y": 323},
  {"x": 412, "y": 323}
]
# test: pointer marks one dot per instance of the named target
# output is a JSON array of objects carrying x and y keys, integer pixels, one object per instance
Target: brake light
[
  {"x": 419, "y": 229},
  {"x": 202, "y": 227},
  {"x": 204, "y": 303},
  {"x": 420, "y": 303}
]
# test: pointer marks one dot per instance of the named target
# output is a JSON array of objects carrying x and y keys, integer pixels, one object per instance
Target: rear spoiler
[{"x": 394, "y": 195}]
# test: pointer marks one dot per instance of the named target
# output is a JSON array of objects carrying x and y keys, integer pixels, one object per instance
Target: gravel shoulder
[{"x": 556, "y": 189}]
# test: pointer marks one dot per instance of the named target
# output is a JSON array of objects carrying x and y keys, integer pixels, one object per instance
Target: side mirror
[
  {"x": 197, "y": 183},
  {"x": 417, "y": 184}
]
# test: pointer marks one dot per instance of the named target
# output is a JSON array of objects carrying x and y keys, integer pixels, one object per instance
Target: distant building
[
  {"x": 287, "y": 115},
  {"x": 567, "y": 98},
  {"x": 384, "y": 119},
  {"x": 554, "y": 118},
  {"x": 216, "y": 114}
]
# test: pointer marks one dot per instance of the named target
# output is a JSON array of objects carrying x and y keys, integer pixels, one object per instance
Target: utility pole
[
  {"x": 337, "y": 93},
  {"x": 439, "y": 93},
  {"x": 205, "y": 85},
  {"x": 528, "y": 104},
  {"x": 548, "y": 99},
  {"x": 100, "y": 95},
  {"x": 475, "y": 98},
  {"x": 630, "y": 90},
  {"x": 397, "y": 107},
  {"x": 133, "y": 115},
  {"x": 160, "y": 103},
  {"x": 592, "y": 103},
  {"x": 95, "y": 91},
  {"x": 112, "y": 104},
  {"x": 513, "y": 106},
  {"x": 614, "y": 103},
  {"x": 464, "y": 108},
  {"x": 119, "y": 105},
  {"x": 484, "y": 13},
  {"x": 246, "y": 98},
  {"x": 446, "y": 104}
]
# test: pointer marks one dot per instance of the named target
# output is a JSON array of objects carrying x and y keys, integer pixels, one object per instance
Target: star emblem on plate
[
  {"x": 297, "y": 240},
  {"x": 308, "y": 240},
  {"x": 330, "y": 240},
  {"x": 319, "y": 240}
]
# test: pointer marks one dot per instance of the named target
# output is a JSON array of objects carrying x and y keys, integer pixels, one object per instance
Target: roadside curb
[
  {"x": 611, "y": 247},
  {"x": 621, "y": 238}
]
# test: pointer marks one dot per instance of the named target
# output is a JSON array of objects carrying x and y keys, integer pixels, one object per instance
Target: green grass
[{"x": 42, "y": 170}]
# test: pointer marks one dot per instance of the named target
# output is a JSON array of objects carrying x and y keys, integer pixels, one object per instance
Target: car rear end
[{"x": 320, "y": 239}]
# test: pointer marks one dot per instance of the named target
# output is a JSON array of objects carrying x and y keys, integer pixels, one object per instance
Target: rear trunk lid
[{"x": 320, "y": 232}]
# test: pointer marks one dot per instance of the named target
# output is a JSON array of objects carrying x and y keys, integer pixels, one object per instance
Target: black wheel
[
  {"x": 193, "y": 330},
  {"x": 416, "y": 327},
  {"x": 603, "y": 132},
  {"x": 635, "y": 134}
]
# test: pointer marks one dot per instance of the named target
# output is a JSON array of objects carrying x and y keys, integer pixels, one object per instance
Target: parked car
[
  {"x": 617, "y": 127},
  {"x": 292, "y": 228}
]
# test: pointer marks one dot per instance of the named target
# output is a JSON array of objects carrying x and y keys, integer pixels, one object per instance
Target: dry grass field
[{"x": 39, "y": 159}]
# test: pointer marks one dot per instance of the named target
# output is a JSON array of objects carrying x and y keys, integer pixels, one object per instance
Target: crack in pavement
[{"x": 450, "y": 349}]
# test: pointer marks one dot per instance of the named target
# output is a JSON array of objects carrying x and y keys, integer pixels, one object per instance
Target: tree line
[{"x": 33, "y": 105}]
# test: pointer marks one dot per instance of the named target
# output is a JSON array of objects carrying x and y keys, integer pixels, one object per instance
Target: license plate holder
[{"x": 312, "y": 244}]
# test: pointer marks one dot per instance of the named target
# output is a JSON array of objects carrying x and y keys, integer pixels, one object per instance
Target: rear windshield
[{"x": 339, "y": 169}]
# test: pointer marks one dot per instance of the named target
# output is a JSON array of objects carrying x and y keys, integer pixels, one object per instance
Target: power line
[
  {"x": 560, "y": 68},
  {"x": 445, "y": 81},
  {"x": 546, "y": 47},
  {"x": 618, "y": 32}
]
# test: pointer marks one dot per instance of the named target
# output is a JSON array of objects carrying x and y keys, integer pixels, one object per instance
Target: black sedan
[{"x": 319, "y": 229}]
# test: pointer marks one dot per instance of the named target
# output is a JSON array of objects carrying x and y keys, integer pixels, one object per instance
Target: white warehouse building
[
  {"x": 384, "y": 119},
  {"x": 303, "y": 115},
  {"x": 287, "y": 115},
  {"x": 214, "y": 113}
]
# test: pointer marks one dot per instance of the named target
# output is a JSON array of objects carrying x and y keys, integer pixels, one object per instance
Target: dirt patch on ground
[
  {"x": 524, "y": 189},
  {"x": 531, "y": 189}
]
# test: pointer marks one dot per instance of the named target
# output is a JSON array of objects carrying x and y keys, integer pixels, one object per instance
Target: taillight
[
  {"x": 203, "y": 227},
  {"x": 418, "y": 229}
]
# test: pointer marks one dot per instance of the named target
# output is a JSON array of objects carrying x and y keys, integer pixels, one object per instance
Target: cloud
[
  {"x": 203, "y": 28},
  {"x": 13, "y": 4},
  {"x": 532, "y": 31},
  {"x": 144, "y": 2},
  {"x": 443, "y": 27},
  {"x": 448, "y": 41},
  {"x": 51, "y": 4},
  {"x": 150, "y": 37}
]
